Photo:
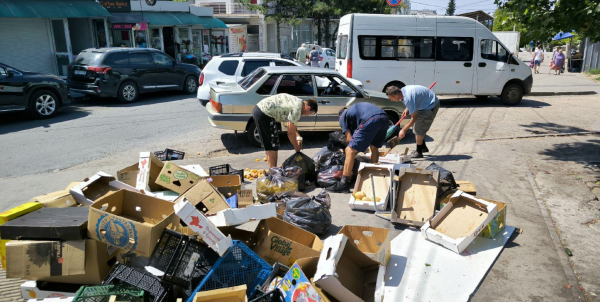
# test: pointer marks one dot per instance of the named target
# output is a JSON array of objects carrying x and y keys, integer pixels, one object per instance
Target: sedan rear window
[
  {"x": 88, "y": 58},
  {"x": 252, "y": 78},
  {"x": 229, "y": 67}
]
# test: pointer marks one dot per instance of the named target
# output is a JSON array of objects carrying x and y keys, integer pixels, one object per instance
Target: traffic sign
[{"x": 394, "y": 2}]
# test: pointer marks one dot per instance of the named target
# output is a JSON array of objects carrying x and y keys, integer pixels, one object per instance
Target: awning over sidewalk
[
  {"x": 177, "y": 19},
  {"x": 126, "y": 18},
  {"x": 51, "y": 9}
]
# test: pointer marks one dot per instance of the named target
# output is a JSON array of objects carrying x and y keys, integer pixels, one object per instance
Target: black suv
[{"x": 126, "y": 72}]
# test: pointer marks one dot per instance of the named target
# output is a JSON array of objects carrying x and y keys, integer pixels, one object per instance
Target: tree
[
  {"x": 451, "y": 8},
  {"x": 290, "y": 12},
  {"x": 545, "y": 18},
  {"x": 504, "y": 22}
]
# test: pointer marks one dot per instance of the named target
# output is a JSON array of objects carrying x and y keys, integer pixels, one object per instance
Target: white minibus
[{"x": 461, "y": 54}]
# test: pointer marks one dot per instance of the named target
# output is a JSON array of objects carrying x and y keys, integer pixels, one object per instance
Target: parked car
[
  {"x": 39, "y": 94},
  {"x": 126, "y": 72},
  {"x": 232, "y": 102},
  {"x": 327, "y": 59},
  {"x": 236, "y": 66}
]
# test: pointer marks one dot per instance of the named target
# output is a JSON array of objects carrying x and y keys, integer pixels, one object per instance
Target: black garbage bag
[
  {"x": 321, "y": 157},
  {"x": 336, "y": 158},
  {"x": 309, "y": 213},
  {"x": 301, "y": 160},
  {"x": 293, "y": 172},
  {"x": 329, "y": 176},
  {"x": 271, "y": 185},
  {"x": 280, "y": 199},
  {"x": 337, "y": 141},
  {"x": 446, "y": 181}
]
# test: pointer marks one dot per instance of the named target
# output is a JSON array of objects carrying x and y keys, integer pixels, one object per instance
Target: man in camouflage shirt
[{"x": 280, "y": 108}]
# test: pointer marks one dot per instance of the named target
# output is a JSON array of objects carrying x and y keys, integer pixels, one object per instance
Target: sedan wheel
[{"x": 253, "y": 136}]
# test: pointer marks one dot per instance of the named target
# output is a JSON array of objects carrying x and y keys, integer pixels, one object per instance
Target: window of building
[
  {"x": 298, "y": 85},
  {"x": 229, "y": 67},
  {"x": 454, "y": 49},
  {"x": 250, "y": 66},
  {"x": 492, "y": 50},
  {"x": 268, "y": 85},
  {"x": 305, "y": 36}
]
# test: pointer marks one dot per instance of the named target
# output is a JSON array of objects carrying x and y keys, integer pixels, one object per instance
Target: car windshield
[
  {"x": 10, "y": 67},
  {"x": 250, "y": 79},
  {"x": 88, "y": 58}
]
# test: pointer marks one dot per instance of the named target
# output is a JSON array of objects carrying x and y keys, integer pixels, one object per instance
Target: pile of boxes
[{"x": 170, "y": 232}]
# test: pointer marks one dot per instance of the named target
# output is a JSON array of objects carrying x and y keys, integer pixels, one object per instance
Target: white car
[
  {"x": 234, "y": 67},
  {"x": 327, "y": 58}
]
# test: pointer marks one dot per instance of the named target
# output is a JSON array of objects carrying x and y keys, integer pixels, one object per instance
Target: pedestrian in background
[
  {"x": 314, "y": 57},
  {"x": 302, "y": 54},
  {"x": 538, "y": 58},
  {"x": 559, "y": 62},
  {"x": 531, "y": 45}
]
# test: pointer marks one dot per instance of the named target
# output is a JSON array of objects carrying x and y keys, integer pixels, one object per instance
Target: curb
[{"x": 555, "y": 93}]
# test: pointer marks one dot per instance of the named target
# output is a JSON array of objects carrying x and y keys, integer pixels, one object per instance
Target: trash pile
[{"x": 160, "y": 231}]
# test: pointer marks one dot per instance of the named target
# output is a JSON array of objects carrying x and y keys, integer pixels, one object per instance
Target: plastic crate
[
  {"x": 169, "y": 154},
  {"x": 279, "y": 270},
  {"x": 226, "y": 169},
  {"x": 122, "y": 274},
  {"x": 182, "y": 259},
  {"x": 240, "y": 265},
  {"x": 272, "y": 296},
  {"x": 102, "y": 293}
]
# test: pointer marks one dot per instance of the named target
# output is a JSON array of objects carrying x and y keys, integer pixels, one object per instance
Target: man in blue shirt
[
  {"x": 365, "y": 126},
  {"x": 422, "y": 105}
]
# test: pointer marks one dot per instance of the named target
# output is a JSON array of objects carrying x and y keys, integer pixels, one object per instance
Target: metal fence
[{"x": 591, "y": 55}]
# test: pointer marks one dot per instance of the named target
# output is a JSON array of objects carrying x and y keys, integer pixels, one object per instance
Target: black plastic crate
[
  {"x": 169, "y": 154},
  {"x": 226, "y": 169},
  {"x": 279, "y": 270},
  {"x": 122, "y": 274},
  {"x": 272, "y": 296},
  {"x": 183, "y": 259},
  {"x": 102, "y": 293}
]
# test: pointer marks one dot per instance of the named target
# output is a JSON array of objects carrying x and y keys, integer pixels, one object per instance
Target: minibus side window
[
  {"x": 368, "y": 46},
  {"x": 454, "y": 49},
  {"x": 492, "y": 50},
  {"x": 342, "y": 46}
]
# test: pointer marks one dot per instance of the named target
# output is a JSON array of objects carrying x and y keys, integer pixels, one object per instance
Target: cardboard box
[
  {"x": 279, "y": 241},
  {"x": 149, "y": 167},
  {"x": 43, "y": 290},
  {"x": 459, "y": 222},
  {"x": 99, "y": 260},
  {"x": 230, "y": 294},
  {"x": 32, "y": 259},
  {"x": 128, "y": 175},
  {"x": 347, "y": 274},
  {"x": 131, "y": 221},
  {"x": 245, "y": 198},
  {"x": 382, "y": 177},
  {"x": 197, "y": 169},
  {"x": 298, "y": 282},
  {"x": 228, "y": 185},
  {"x": 497, "y": 225},
  {"x": 416, "y": 198},
  {"x": 97, "y": 187},
  {"x": 205, "y": 197},
  {"x": 10, "y": 215},
  {"x": 373, "y": 242},
  {"x": 176, "y": 178},
  {"x": 48, "y": 224},
  {"x": 58, "y": 199},
  {"x": 230, "y": 217},
  {"x": 467, "y": 187},
  {"x": 203, "y": 227},
  {"x": 67, "y": 299}
]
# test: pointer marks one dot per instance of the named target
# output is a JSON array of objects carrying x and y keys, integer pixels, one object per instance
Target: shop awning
[
  {"x": 117, "y": 18},
  {"x": 174, "y": 19},
  {"x": 51, "y": 9}
]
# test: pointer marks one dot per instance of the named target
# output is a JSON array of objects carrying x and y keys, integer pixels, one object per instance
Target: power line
[
  {"x": 472, "y": 3},
  {"x": 426, "y": 4}
]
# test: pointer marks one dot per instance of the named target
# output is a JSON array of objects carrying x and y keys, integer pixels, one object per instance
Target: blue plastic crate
[{"x": 240, "y": 265}]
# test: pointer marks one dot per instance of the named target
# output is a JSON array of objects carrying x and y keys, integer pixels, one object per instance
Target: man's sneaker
[
  {"x": 416, "y": 154},
  {"x": 339, "y": 187}
]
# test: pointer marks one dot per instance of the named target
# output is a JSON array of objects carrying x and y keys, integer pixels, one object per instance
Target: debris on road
[{"x": 160, "y": 232}]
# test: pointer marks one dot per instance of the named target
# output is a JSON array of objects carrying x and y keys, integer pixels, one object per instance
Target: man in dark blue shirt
[{"x": 365, "y": 125}]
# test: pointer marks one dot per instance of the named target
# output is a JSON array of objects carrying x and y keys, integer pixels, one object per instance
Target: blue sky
[{"x": 462, "y": 6}]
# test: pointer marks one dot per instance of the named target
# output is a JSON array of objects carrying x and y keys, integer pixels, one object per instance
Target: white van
[{"x": 461, "y": 54}]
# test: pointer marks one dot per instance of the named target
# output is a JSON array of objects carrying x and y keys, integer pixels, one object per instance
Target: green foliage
[
  {"x": 504, "y": 22},
  {"x": 451, "y": 8},
  {"x": 545, "y": 18},
  {"x": 594, "y": 71}
]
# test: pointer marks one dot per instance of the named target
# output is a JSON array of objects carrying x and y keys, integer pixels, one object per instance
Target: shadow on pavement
[
  {"x": 586, "y": 152},
  {"x": 241, "y": 144},
  {"x": 551, "y": 128},
  {"x": 144, "y": 99},
  {"x": 443, "y": 158},
  {"x": 19, "y": 121},
  {"x": 489, "y": 102}
]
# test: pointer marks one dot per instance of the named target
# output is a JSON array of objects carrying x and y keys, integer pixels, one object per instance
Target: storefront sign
[
  {"x": 116, "y": 6},
  {"x": 128, "y": 26},
  {"x": 238, "y": 39}
]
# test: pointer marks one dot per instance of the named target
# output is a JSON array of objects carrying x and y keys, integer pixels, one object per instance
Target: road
[{"x": 540, "y": 157}]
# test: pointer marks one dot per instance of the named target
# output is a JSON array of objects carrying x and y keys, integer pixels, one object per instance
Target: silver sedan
[{"x": 231, "y": 103}]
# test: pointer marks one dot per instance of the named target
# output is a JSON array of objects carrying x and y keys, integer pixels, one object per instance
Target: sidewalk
[{"x": 546, "y": 83}]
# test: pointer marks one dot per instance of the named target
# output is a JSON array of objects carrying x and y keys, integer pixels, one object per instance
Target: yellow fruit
[
  {"x": 258, "y": 159},
  {"x": 265, "y": 159},
  {"x": 359, "y": 195},
  {"x": 377, "y": 199},
  {"x": 359, "y": 199},
  {"x": 250, "y": 179},
  {"x": 367, "y": 199}
]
